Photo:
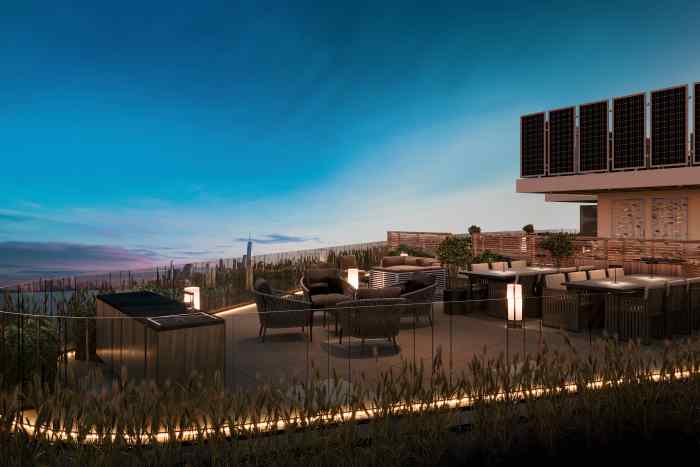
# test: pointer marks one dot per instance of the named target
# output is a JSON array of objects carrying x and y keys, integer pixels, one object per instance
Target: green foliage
[
  {"x": 559, "y": 245},
  {"x": 410, "y": 251},
  {"x": 455, "y": 251},
  {"x": 529, "y": 229},
  {"x": 474, "y": 229},
  {"x": 488, "y": 256}
]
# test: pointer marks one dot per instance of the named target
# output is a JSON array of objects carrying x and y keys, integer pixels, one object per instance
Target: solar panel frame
[
  {"x": 696, "y": 122},
  {"x": 552, "y": 143},
  {"x": 616, "y": 139},
  {"x": 654, "y": 123},
  {"x": 606, "y": 142},
  {"x": 536, "y": 172}
]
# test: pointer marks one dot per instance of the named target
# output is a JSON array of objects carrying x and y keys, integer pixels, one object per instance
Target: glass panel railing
[{"x": 376, "y": 355}]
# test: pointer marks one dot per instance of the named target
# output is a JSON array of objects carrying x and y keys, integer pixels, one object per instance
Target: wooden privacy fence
[{"x": 683, "y": 256}]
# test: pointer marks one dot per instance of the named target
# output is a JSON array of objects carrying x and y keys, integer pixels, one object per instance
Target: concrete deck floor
[{"x": 288, "y": 354}]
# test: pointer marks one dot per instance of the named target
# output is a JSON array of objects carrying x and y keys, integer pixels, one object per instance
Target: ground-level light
[{"x": 515, "y": 305}]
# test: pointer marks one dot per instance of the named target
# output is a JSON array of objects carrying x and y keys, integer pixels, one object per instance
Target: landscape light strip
[{"x": 356, "y": 415}]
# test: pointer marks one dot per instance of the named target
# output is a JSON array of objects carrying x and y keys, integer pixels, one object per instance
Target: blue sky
[{"x": 162, "y": 130}]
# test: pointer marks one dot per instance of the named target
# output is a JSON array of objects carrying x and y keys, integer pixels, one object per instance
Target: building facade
[{"x": 632, "y": 159}]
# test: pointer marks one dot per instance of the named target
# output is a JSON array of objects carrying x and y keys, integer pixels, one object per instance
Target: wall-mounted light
[
  {"x": 515, "y": 305},
  {"x": 192, "y": 297}
]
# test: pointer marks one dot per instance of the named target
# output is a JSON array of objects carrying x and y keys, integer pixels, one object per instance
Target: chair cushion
[
  {"x": 389, "y": 261},
  {"x": 427, "y": 262},
  {"x": 262, "y": 286},
  {"x": 577, "y": 276},
  {"x": 554, "y": 281},
  {"x": 386, "y": 292},
  {"x": 312, "y": 276},
  {"x": 597, "y": 274},
  {"x": 404, "y": 268},
  {"x": 410, "y": 261},
  {"x": 480, "y": 267},
  {"x": 330, "y": 299}
]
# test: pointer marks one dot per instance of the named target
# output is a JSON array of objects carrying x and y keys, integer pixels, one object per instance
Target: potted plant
[
  {"x": 455, "y": 252},
  {"x": 559, "y": 245}
]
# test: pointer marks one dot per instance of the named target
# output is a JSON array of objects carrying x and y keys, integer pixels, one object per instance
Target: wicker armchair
[
  {"x": 421, "y": 299},
  {"x": 327, "y": 286},
  {"x": 561, "y": 309},
  {"x": 370, "y": 319},
  {"x": 280, "y": 310},
  {"x": 636, "y": 315}
]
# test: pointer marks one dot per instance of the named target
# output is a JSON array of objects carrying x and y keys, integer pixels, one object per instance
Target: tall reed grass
[{"x": 551, "y": 402}]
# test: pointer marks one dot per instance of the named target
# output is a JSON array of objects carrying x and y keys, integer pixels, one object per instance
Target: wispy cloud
[
  {"x": 28, "y": 260},
  {"x": 39, "y": 223},
  {"x": 276, "y": 239}
]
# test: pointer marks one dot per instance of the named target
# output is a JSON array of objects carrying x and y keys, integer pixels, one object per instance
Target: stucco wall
[{"x": 605, "y": 206}]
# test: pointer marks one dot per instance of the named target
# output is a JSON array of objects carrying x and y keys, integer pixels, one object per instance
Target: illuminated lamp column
[
  {"x": 192, "y": 297},
  {"x": 515, "y": 305}
]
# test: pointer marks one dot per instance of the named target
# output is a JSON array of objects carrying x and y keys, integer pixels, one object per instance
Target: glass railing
[{"x": 349, "y": 344}]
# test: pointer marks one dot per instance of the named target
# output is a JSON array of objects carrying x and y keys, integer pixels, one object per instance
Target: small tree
[
  {"x": 559, "y": 245},
  {"x": 455, "y": 252},
  {"x": 474, "y": 229},
  {"x": 529, "y": 229}
]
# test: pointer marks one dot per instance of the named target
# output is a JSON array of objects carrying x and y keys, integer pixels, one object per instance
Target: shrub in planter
[{"x": 559, "y": 245}]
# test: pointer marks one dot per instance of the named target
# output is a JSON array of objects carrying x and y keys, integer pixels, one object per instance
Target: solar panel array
[
  {"x": 696, "y": 120},
  {"x": 552, "y": 144},
  {"x": 562, "y": 124},
  {"x": 669, "y": 126},
  {"x": 628, "y": 132},
  {"x": 532, "y": 145},
  {"x": 593, "y": 137}
]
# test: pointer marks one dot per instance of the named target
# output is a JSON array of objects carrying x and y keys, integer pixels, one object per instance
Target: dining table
[
  {"x": 496, "y": 281},
  {"x": 605, "y": 299}
]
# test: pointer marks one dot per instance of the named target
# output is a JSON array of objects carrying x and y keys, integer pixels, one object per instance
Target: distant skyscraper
[{"x": 249, "y": 264}]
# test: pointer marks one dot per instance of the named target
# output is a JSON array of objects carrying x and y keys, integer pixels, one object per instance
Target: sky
[{"x": 134, "y": 133}]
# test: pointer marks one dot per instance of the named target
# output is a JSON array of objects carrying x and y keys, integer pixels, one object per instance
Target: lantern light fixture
[{"x": 515, "y": 305}]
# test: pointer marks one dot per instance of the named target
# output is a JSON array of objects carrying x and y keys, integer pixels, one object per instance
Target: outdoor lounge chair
[
  {"x": 370, "y": 319},
  {"x": 280, "y": 310},
  {"x": 419, "y": 291},
  {"x": 324, "y": 287}
]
